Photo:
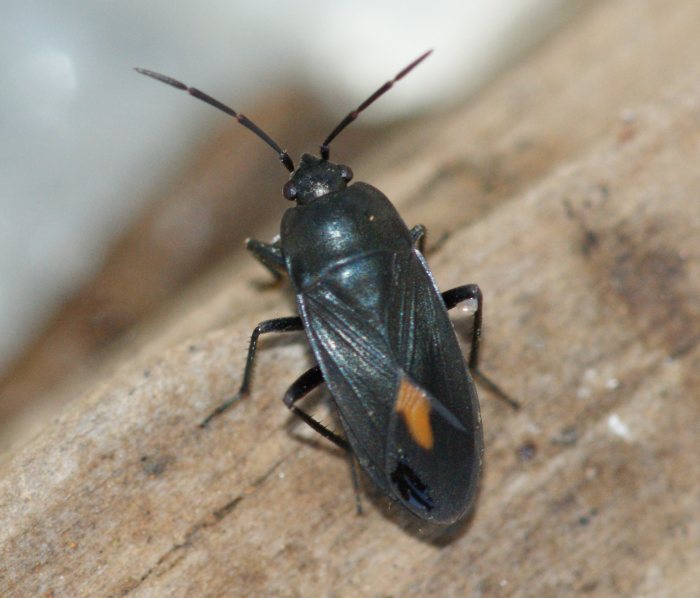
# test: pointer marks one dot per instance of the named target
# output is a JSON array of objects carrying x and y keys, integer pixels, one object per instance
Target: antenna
[
  {"x": 246, "y": 122},
  {"x": 325, "y": 150}
]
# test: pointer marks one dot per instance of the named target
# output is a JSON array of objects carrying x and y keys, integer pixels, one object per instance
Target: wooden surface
[{"x": 570, "y": 191}]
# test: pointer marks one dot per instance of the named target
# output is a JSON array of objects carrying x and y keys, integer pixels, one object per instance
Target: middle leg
[
  {"x": 289, "y": 324},
  {"x": 454, "y": 297}
]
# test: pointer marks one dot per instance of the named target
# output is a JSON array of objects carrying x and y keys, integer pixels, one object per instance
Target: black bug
[{"x": 379, "y": 330}]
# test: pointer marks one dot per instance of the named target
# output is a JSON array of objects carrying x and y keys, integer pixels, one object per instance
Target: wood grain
[{"x": 569, "y": 190}]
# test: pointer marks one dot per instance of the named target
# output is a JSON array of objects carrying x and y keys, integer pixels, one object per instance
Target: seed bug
[{"x": 378, "y": 328}]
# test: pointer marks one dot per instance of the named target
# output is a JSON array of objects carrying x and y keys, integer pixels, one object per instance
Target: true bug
[{"x": 378, "y": 328}]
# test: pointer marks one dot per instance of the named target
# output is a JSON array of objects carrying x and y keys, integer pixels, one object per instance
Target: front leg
[
  {"x": 418, "y": 233},
  {"x": 269, "y": 255}
]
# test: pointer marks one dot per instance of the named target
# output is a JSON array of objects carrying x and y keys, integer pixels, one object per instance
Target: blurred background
[{"x": 117, "y": 191}]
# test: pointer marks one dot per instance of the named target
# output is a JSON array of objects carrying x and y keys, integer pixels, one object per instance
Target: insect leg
[
  {"x": 269, "y": 255},
  {"x": 418, "y": 237},
  {"x": 303, "y": 385},
  {"x": 454, "y": 297},
  {"x": 289, "y": 324}
]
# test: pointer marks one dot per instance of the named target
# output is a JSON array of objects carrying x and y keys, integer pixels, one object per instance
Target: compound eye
[
  {"x": 346, "y": 173},
  {"x": 289, "y": 190}
]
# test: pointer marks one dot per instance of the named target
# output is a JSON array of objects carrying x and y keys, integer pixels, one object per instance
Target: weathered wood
[{"x": 570, "y": 190}]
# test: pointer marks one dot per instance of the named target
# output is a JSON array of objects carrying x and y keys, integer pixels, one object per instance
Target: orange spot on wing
[{"x": 413, "y": 404}]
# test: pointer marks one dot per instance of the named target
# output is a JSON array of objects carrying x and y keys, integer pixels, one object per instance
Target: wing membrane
[{"x": 372, "y": 321}]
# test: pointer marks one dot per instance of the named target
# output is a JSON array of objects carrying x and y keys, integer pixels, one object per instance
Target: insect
[{"x": 378, "y": 327}]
